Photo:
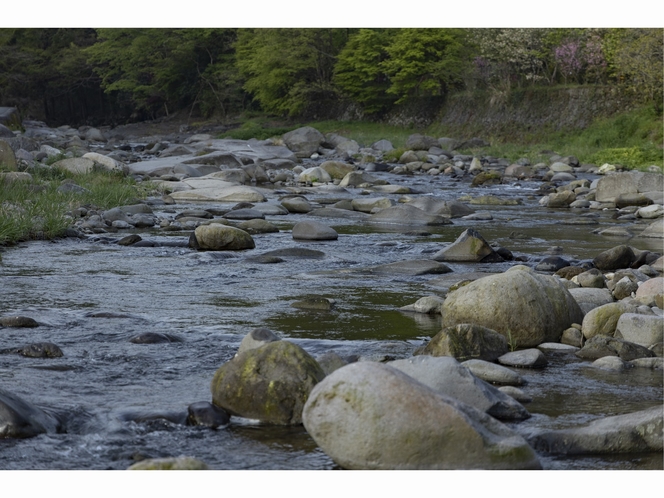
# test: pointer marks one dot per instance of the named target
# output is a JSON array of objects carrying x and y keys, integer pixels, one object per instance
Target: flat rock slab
[
  {"x": 526, "y": 358},
  {"x": 492, "y": 373},
  {"x": 413, "y": 268}
]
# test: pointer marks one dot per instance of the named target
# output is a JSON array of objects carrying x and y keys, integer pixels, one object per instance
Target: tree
[
  {"x": 165, "y": 69},
  {"x": 425, "y": 62},
  {"x": 359, "y": 72},
  {"x": 288, "y": 69},
  {"x": 635, "y": 60}
]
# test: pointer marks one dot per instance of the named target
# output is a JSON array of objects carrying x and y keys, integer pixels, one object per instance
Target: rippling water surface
[{"x": 91, "y": 297}]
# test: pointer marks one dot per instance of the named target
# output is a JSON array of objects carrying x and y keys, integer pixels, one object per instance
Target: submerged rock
[
  {"x": 638, "y": 432},
  {"x": 21, "y": 419}
]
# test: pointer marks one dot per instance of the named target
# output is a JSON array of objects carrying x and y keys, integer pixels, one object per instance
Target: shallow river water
[{"x": 90, "y": 297}]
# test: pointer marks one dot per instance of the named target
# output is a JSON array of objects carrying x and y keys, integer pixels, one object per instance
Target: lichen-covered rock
[
  {"x": 371, "y": 416},
  {"x": 525, "y": 307},
  {"x": 270, "y": 383},
  {"x": 644, "y": 330},
  {"x": 466, "y": 341}
]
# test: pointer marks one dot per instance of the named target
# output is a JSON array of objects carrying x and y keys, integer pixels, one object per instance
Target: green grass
[{"x": 35, "y": 210}]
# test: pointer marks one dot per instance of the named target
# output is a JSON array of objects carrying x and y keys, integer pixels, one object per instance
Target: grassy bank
[
  {"x": 33, "y": 210},
  {"x": 632, "y": 140}
]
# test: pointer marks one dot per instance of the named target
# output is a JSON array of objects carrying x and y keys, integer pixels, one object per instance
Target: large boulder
[
  {"x": 467, "y": 341},
  {"x": 471, "y": 247},
  {"x": 218, "y": 237},
  {"x": 21, "y": 419},
  {"x": 447, "y": 376},
  {"x": 525, "y": 307},
  {"x": 615, "y": 258},
  {"x": 368, "y": 415},
  {"x": 313, "y": 230},
  {"x": 270, "y": 383},
  {"x": 304, "y": 141},
  {"x": 638, "y": 432},
  {"x": 601, "y": 346}
]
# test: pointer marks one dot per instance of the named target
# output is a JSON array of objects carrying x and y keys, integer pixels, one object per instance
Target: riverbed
[{"x": 91, "y": 296}]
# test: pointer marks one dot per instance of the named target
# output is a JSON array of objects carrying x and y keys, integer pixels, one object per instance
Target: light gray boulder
[
  {"x": 644, "y": 330},
  {"x": 368, "y": 415},
  {"x": 270, "y": 383},
  {"x": 297, "y": 205},
  {"x": 303, "y": 141},
  {"x": 638, "y": 432},
  {"x": 445, "y": 375},
  {"x": 314, "y": 175},
  {"x": 590, "y": 298},
  {"x": 330, "y": 362},
  {"x": 412, "y": 267},
  {"x": 357, "y": 178},
  {"x": 492, "y": 373},
  {"x": 104, "y": 162},
  {"x": 654, "y": 231},
  {"x": 525, "y": 307},
  {"x": 77, "y": 165},
  {"x": 525, "y": 358},
  {"x": 368, "y": 204}
]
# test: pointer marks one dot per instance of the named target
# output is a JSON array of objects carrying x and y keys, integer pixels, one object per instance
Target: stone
[
  {"x": 76, "y": 165},
  {"x": 368, "y": 415},
  {"x": 217, "y": 237},
  {"x": 170, "y": 463},
  {"x": 296, "y": 205},
  {"x": 405, "y": 214},
  {"x": 604, "y": 319},
  {"x": 632, "y": 199},
  {"x": 470, "y": 246},
  {"x": 14, "y": 176},
  {"x": 624, "y": 288},
  {"x": 516, "y": 393},
  {"x": 21, "y": 419},
  {"x": 206, "y": 414},
  {"x": 638, "y": 432},
  {"x": 651, "y": 212},
  {"x": 103, "y": 161},
  {"x": 525, "y": 358},
  {"x": 649, "y": 363},
  {"x": 572, "y": 337},
  {"x": 428, "y": 305},
  {"x": 154, "y": 338},
  {"x": 330, "y": 362},
  {"x": 492, "y": 373},
  {"x": 312, "y": 230},
  {"x": 18, "y": 321},
  {"x": 257, "y": 226},
  {"x": 592, "y": 278},
  {"x": 367, "y": 205},
  {"x": 591, "y": 297},
  {"x": 551, "y": 264},
  {"x": 525, "y": 307},
  {"x": 445, "y": 375},
  {"x": 467, "y": 341},
  {"x": 279, "y": 375},
  {"x": 615, "y": 258},
  {"x": 600, "y": 346},
  {"x": 412, "y": 267},
  {"x": 560, "y": 199},
  {"x": 244, "y": 214},
  {"x": 41, "y": 350},
  {"x": 314, "y": 303},
  {"x": 257, "y": 338},
  {"x": 612, "y": 363},
  {"x": 337, "y": 169},
  {"x": 228, "y": 193},
  {"x": 303, "y": 141},
  {"x": 644, "y": 330},
  {"x": 655, "y": 230},
  {"x": 314, "y": 175}
]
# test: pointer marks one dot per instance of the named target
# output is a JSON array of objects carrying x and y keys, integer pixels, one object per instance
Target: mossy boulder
[
  {"x": 270, "y": 383},
  {"x": 525, "y": 307},
  {"x": 604, "y": 319}
]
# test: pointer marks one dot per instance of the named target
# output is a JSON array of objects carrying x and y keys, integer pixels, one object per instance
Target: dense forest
[{"x": 113, "y": 76}]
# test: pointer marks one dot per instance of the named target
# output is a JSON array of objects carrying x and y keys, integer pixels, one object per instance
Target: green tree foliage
[
  {"x": 288, "y": 69},
  {"x": 425, "y": 62},
  {"x": 166, "y": 69},
  {"x": 359, "y": 72},
  {"x": 38, "y": 66},
  {"x": 635, "y": 59}
]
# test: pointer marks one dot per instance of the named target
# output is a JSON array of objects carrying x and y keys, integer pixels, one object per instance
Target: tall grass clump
[{"x": 37, "y": 210}]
